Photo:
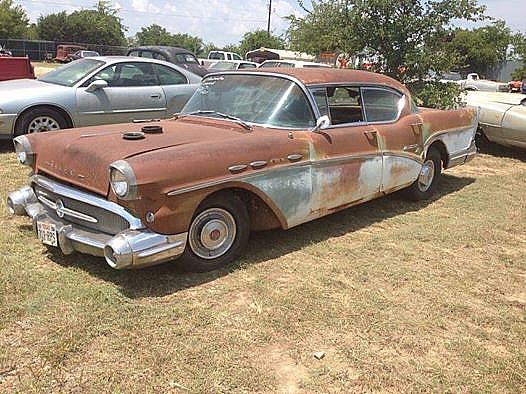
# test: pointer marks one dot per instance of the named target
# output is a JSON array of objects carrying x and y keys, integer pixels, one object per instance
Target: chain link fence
[{"x": 39, "y": 50}]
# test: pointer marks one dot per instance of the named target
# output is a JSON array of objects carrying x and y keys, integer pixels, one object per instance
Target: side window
[
  {"x": 345, "y": 104},
  {"x": 237, "y": 57},
  {"x": 284, "y": 64},
  {"x": 320, "y": 97},
  {"x": 167, "y": 76},
  {"x": 133, "y": 53},
  {"x": 127, "y": 75},
  {"x": 147, "y": 54},
  {"x": 381, "y": 105},
  {"x": 229, "y": 56},
  {"x": 159, "y": 56}
]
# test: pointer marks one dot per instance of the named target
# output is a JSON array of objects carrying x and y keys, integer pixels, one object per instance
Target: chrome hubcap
[
  {"x": 212, "y": 233},
  {"x": 43, "y": 123},
  {"x": 427, "y": 173}
]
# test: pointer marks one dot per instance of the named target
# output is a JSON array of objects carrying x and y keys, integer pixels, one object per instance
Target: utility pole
[{"x": 269, "y": 12}]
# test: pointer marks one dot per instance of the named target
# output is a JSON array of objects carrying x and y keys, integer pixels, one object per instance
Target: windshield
[
  {"x": 259, "y": 99},
  {"x": 69, "y": 74},
  {"x": 223, "y": 66}
]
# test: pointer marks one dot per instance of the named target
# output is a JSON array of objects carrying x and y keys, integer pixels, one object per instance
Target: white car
[
  {"x": 292, "y": 63},
  {"x": 502, "y": 117}
]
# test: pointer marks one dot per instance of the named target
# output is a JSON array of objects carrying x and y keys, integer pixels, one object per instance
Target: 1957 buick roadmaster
[{"x": 251, "y": 150}]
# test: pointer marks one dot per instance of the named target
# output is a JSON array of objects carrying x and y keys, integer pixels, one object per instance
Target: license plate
[{"x": 47, "y": 233}]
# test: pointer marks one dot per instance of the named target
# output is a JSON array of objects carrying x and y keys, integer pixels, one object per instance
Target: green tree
[
  {"x": 13, "y": 20},
  {"x": 98, "y": 26},
  {"x": 52, "y": 27},
  {"x": 480, "y": 49},
  {"x": 519, "y": 42},
  {"x": 257, "y": 39},
  {"x": 158, "y": 35},
  {"x": 408, "y": 36},
  {"x": 154, "y": 35}
]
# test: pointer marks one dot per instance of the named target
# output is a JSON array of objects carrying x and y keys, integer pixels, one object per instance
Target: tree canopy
[
  {"x": 257, "y": 39},
  {"x": 99, "y": 26},
  {"x": 408, "y": 36},
  {"x": 478, "y": 50},
  {"x": 13, "y": 20},
  {"x": 158, "y": 35}
]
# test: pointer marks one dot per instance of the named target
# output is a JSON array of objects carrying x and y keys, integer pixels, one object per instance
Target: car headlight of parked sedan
[
  {"x": 123, "y": 181},
  {"x": 23, "y": 150}
]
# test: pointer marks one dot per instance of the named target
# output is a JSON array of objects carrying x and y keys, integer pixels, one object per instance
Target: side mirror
[
  {"x": 322, "y": 123},
  {"x": 96, "y": 85}
]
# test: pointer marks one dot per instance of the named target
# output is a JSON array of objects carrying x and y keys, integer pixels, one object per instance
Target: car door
[
  {"x": 133, "y": 92},
  {"x": 348, "y": 163},
  {"x": 176, "y": 87},
  {"x": 399, "y": 134}
]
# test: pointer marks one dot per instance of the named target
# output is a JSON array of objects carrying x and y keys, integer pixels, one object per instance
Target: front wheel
[
  {"x": 427, "y": 181},
  {"x": 218, "y": 233},
  {"x": 40, "y": 119}
]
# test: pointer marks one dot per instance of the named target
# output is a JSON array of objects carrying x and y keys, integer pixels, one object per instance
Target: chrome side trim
[
  {"x": 304, "y": 163},
  {"x": 87, "y": 198}
]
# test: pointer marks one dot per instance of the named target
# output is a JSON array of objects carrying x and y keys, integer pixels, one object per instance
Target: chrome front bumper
[{"x": 134, "y": 247}]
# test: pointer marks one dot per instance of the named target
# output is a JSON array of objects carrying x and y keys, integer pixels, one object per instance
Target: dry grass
[
  {"x": 42, "y": 68},
  {"x": 401, "y": 297}
]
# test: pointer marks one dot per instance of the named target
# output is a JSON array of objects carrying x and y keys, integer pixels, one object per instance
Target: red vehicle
[
  {"x": 515, "y": 86},
  {"x": 15, "y": 68},
  {"x": 64, "y": 52}
]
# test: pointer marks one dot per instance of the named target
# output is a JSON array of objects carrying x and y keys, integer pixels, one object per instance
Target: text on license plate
[{"x": 47, "y": 233}]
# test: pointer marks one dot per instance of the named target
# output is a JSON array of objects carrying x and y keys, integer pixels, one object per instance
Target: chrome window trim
[{"x": 87, "y": 198}]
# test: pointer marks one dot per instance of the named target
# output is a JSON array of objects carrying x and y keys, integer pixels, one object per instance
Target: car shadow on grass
[
  {"x": 502, "y": 151},
  {"x": 168, "y": 278},
  {"x": 6, "y": 146}
]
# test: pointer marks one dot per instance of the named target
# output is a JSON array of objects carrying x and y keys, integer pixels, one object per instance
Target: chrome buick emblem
[{"x": 59, "y": 208}]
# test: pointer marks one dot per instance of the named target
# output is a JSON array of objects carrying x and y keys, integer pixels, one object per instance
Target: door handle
[
  {"x": 155, "y": 95},
  {"x": 371, "y": 136},
  {"x": 417, "y": 127}
]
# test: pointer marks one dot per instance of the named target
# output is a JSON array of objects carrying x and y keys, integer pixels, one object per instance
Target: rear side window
[
  {"x": 381, "y": 105},
  {"x": 167, "y": 76},
  {"x": 133, "y": 53},
  {"x": 345, "y": 104}
]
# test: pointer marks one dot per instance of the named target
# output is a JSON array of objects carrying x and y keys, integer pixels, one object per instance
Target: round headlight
[
  {"x": 122, "y": 180},
  {"x": 23, "y": 150},
  {"x": 119, "y": 183}
]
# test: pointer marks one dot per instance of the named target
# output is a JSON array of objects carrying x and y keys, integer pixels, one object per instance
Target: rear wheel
[
  {"x": 426, "y": 183},
  {"x": 39, "y": 120},
  {"x": 218, "y": 233}
]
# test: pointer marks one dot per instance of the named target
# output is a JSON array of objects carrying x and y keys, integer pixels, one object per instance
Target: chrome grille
[{"x": 79, "y": 212}]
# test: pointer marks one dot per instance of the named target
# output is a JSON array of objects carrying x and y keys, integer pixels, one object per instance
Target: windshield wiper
[{"x": 240, "y": 122}]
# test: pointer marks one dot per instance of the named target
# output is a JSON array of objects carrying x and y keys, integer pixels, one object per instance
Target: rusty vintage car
[{"x": 251, "y": 150}]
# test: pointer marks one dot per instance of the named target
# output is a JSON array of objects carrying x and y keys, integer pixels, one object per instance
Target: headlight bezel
[
  {"x": 23, "y": 150},
  {"x": 121, "y": 172}
]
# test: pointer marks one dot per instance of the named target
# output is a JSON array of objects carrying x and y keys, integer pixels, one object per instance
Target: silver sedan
[{"x": 93, "y": 91}]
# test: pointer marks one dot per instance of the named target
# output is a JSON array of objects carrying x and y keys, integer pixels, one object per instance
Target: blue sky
[{"x": 225, "y": 21}]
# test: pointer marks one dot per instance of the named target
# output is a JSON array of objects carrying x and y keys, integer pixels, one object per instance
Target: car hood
[
  {"x": 28, "y": 90},
  {"x": 82, "y": 157}
]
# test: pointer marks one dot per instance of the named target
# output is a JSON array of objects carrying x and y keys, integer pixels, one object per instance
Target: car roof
[
  {"x": 324, "y": 76},
  {"x": 161, "y": 48}
]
